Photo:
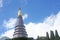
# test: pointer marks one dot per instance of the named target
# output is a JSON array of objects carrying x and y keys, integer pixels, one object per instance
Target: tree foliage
[
  {"x": 52, "y": 36},
  {"x": 22, "y": 38},
  {"x": 47, "y": 36}
]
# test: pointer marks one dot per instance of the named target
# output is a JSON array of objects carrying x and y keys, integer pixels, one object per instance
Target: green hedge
[{"x": 23, "y": 38}]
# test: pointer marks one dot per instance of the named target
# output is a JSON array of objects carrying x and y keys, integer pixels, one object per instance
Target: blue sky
[{"x": 37, "y": 10}]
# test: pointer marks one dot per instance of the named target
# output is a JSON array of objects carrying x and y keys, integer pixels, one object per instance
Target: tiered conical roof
[{"x": 19, "y": 28}]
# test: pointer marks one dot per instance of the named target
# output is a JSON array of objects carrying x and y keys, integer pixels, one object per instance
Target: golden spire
[{"x": 19, "y": 12}]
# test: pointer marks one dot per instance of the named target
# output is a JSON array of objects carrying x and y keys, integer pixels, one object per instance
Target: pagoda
[{"x": 19, "y": 28}]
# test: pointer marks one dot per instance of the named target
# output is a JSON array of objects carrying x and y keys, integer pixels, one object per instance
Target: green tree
[
  {"x": 56, "y": 35},
  {"x": 38, "y": 38},
  {"x": 47, "y": 36},
  {"x": 52, "y": 35},
  {"x": 22, "y": 38}
]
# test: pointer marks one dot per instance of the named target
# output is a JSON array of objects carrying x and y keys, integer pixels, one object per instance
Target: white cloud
[
  {"x": 1, "y": 3},
  {"x": 12, "y": 21},
  {"x": 8, "y": 33},
  {"x": 34, "y": 29},
  {"x": 50, "y": 23},
  {"x": 25, "y": 16}
]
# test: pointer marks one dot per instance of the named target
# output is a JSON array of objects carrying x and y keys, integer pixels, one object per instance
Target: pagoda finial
[{"x": 19, "y": 12}]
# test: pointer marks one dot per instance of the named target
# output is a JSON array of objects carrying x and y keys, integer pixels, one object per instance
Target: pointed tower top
[{"x": 19, "y": 12}]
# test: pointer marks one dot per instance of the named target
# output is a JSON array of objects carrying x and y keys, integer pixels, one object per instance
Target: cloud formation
[
  {"x": 12, "y": 21},
  {"x": 25, "y": 16},
  {"x": 51, "y": 22},
  {"x": 8, "y": 33}
]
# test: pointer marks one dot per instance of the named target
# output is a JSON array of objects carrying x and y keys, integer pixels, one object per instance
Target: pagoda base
[{"x": 22, "y": 38}]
